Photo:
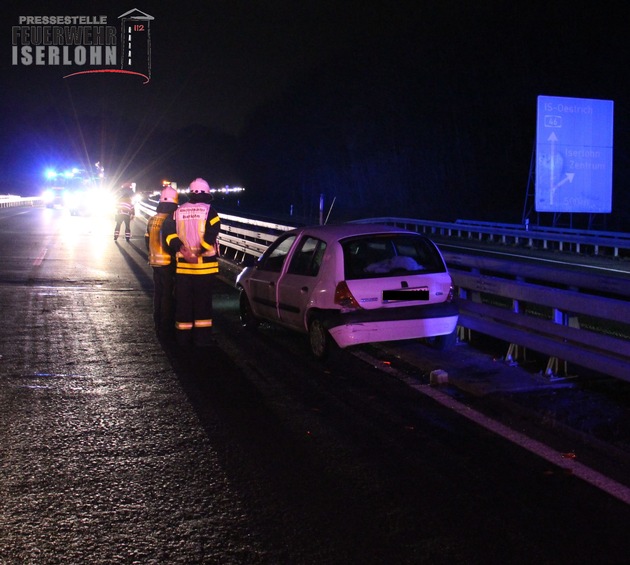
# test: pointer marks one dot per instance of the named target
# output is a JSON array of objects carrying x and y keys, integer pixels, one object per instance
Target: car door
[
  {"x": 298, "y": 282},
  {"x": 262, "y": 283}
]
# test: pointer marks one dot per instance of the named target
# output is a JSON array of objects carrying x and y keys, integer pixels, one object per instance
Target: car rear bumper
[{"x": 392, "y": 324}]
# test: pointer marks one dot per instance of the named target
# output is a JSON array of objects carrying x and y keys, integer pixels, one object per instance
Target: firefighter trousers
[
  {"x": 164, "y": 300},
  {"x": 193, "y": 309},
  {"x": 122, "y": 219}
]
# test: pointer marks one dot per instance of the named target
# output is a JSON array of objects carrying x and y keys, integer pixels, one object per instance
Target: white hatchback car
[{"x": 356, "y": 283}]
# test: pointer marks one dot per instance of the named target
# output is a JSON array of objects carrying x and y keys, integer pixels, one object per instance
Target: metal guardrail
[
  {"x": 9, "y": 201},
  {"x": 558, "y": 313},
  {"x": 563, "y": 239},
  {"x": 146, "y": 208},
  {"x": 239, "y": 236}
]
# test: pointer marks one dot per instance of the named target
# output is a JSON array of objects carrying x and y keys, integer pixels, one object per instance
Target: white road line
[
  {"x": 39, "y": 259},
  {"x": 536, "y": 259},
  {"x": 595, "y": 478}
]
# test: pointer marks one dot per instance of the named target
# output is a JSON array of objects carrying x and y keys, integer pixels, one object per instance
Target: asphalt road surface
[{"x": 115, "y": 449}]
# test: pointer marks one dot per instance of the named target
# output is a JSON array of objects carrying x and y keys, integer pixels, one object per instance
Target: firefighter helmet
[
  {"x": 199, "y": 186},
  {"x": 169, "y": 194}
]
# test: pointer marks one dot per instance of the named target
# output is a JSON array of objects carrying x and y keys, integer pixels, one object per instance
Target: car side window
[
  {"x": 274, "y": 257},
  {"x": 308, "y": 257}
]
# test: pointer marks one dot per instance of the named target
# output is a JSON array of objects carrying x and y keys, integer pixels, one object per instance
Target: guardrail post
[
  {"x": 553, "y": 364},
  {"x": 464, "y": 334},
  {"x": 515, "y": 353},
  {"x": 554, "y": 372}
]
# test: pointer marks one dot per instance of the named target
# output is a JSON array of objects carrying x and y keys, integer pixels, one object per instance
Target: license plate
[{"x": 406, "y": 294}]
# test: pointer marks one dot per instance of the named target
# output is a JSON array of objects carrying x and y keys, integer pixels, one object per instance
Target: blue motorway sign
[{"x": 574, "y": 147}]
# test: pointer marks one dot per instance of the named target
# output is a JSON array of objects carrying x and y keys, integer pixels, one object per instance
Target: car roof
[{"x": 341, "y": 231}]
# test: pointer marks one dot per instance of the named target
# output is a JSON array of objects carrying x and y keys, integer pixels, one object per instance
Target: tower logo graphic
[
  {"x": 84, "y": 44},
  {"x": 135, "y": 40}
]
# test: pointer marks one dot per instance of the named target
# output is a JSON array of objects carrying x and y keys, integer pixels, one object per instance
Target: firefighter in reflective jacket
[
  {"x": 163, "y": 264},
  {"x": 191, "y": 234},
  {"x": 125, "y": 211}
]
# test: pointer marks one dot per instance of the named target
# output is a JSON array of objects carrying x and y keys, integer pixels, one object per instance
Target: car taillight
[
  {"x": 451, "y": 294},
  {"x": 344, "y": 297}
]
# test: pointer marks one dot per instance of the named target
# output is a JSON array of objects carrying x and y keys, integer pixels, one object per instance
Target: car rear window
[{"x": 390, "y": 255}]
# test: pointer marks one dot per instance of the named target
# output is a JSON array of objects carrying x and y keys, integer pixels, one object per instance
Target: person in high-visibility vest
[
  {"x": 191, "y": 235},
  {"x": 163, "y": 265},
  {"x": 125, "y": 212}
]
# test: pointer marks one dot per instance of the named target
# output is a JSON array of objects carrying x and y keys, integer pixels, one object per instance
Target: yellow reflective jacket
[{"x": 159, "y": 256}]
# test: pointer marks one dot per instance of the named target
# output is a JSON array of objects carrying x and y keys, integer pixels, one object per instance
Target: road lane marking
[
  {"x": 591, "y": 476},
  {"x": 39, "y": 259},
  {"x": 535, "y": 258}
]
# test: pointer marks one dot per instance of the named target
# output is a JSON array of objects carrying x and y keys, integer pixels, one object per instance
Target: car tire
[
  {"x": 443, "y": 342},
  {"x": 319, "y": 338},
  {"x": 248, "y": 320}
]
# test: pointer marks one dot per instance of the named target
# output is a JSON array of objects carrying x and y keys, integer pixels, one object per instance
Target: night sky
[{"x": 435, "y": 103}]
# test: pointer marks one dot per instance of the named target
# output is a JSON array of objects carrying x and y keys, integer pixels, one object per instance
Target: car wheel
[
  {"x": 248, "y": 320},
  {"x": 443, "y": 342},
  {"x": 319, "y": 338}
]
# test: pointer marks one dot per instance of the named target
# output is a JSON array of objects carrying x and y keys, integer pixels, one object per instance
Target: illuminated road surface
[{"x": 115, "y": 451}]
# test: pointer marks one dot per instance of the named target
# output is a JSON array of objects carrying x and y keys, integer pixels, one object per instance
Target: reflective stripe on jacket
[
  {"x": 203, "y": 266},
  {"x": 125, "y": 207}
]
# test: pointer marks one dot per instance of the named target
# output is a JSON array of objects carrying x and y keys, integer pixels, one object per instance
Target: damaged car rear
[{"x": 352, "y": 284}]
